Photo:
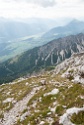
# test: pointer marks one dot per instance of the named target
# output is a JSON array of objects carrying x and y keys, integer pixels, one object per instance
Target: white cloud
[
  {"x": 42, "y": 8},
  {"x": 43, "y": 3}
]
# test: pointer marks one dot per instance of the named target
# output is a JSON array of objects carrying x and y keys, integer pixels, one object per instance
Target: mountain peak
[{"x": 75, "y": 22}]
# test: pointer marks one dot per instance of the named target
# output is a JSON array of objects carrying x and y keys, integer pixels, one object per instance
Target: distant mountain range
[
  {"x": 13, "y": 33},
  {"x": 12, "y": 29},
  {"x": 15, "y": 36},
  {"x": 50, "y": 54},
  {"x": 74, "y": 27}
]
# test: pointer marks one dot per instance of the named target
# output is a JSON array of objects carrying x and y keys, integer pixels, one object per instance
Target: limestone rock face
[{"x": 73, "y": 68}]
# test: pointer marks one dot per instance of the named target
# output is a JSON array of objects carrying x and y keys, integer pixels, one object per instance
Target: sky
[{"x": 42, "y": 9}]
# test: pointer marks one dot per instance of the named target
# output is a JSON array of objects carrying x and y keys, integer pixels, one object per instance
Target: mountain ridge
[
  {"x": 47, "y": 55},
  {"x": 74, "y": 27}
]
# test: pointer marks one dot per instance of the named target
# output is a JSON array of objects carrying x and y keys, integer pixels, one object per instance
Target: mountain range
[
  {"x": 44, "y": 56},
  {"x": 74, "y": 27},
  {"x": 17, "y": 37},
  {"x": 13, "y": 29}
]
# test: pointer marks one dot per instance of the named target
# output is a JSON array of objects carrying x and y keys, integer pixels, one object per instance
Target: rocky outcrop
[{"x": 73, "y": 68}]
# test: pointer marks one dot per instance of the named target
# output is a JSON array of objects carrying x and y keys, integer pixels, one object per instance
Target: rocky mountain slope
[
  {"x": 50, "y": 54},
  {"x": 50, "y": 98},
  {"x": 73, "y": 68}
]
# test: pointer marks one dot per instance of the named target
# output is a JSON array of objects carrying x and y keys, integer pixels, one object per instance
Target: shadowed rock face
[{"x": 52, "y": 53}]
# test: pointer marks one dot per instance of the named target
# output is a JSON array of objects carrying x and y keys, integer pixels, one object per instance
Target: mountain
[
  {"x": 12, "y": 29},
  {"x": 44, "y": 56},
  {"x": 74, "y": 27},
  {"x": 50, "y": 98},
  {"x": 18, "y": 36},
  {"x": 11, "y": 48}
]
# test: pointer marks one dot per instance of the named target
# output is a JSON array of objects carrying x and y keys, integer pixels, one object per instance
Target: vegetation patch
[
  {"x": 59, "y": 110},
  {"x": 78, "y": 119}
]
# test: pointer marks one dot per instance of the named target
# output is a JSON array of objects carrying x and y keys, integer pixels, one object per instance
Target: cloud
[
  {"x": 42, "y": 8},
  {"x": 43, "y": 3}
]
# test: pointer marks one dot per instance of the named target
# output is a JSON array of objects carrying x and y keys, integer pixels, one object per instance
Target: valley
[{"x": 19, "y": 37}]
